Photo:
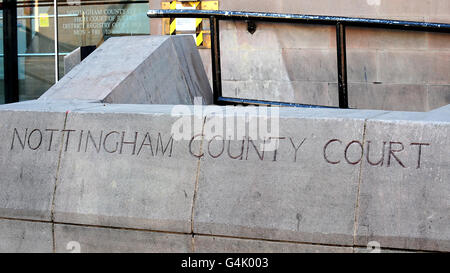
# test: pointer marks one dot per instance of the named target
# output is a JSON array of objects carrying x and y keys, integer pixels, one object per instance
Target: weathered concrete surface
[
  {"x": 293, "y": 195},
  {"x": 126, "y": 170},
  {"x": 25, "y": 237},
  {"x": 71, "y": 60},
  {"x": 100, "y": 240},
  {"x": 325, "y": 189},
  {"x": 433, "y": 10},
  {"x": 399, "y": 70},
  {"x": 28, "y": 164},
  {"x": 405, "y": 199},
  {"x": 387, "y": 69},
  {"x": 32, "y": 136},
  {"x": 75, "y": 57},
  {"x": 161, "y": 70},
  {"x": 209, "y": 244}
]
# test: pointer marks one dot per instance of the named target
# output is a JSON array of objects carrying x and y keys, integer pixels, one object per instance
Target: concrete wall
[
  {"x": 387, "y": 69},
  {"x": 95, "y": 177}
]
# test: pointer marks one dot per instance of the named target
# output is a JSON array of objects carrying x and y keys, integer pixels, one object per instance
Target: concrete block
[
  {"x": 382, "y": 39},
  {"x": 400, "y": 97},
  {"x": 140, "y": 70},
  {"x": 123, "y": 168},
  {"x": 412, "y": 8},
  {"x": 270, "y": 36},
  {"x": 338, "y": 178},
  {"x": 28, "y": 162},
  {"x": 25, "y": 237},
  {"x": 83, "y": 239},
  {"x": 253, "y": 65},
  {"x": 440, "y": 8},
  {"x": 284, "y": 65},
  {"x": 210, "y": 244},
  {"x": 404, "y": 191},
  {"x": 319, "y": 93},
  {"x": 414, "y": 67},
  {"x": 362, "y": 66},
  {"x": 304, "y": 192},
  {"x": 310, "y": 65},
  {"x": 438, "y": 41}
]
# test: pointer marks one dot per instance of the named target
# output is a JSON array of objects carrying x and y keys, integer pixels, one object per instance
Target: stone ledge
[{"x": 323, "y": 173}]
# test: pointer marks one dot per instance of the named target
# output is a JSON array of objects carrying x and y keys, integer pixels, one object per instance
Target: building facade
[{"x": 387, "y": 69}]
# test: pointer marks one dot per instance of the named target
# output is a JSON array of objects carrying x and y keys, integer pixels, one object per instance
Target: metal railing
[{"x": 250, "y": 17}]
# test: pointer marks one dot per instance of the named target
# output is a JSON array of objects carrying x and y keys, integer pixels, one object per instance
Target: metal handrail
[
  {"x": 340, "y": 22},
  {"x": 299, "y": 18}
]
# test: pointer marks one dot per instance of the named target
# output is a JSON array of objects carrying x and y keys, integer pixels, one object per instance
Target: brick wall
[{"x": 387, "y": 69}]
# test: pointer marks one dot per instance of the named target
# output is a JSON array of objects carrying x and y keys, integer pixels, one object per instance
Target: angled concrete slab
[{"x": 138, "y": 70}]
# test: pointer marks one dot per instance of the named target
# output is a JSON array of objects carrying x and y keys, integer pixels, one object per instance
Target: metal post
[
  {"x": 11, "y": 67},
  {"x": 215, "y": 58},
  {"x": 342, "y": 65},
  {"x": 55, "y": 21}
]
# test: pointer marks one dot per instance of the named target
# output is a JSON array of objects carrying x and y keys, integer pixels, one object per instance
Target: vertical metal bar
[
  {"x": 172, "y": 20},
  {"x": 215, "y": 59},
  {"x": 342, "y": 65},
  {"x": 11, "y": 61},
  {"x": 55, "y": 21}
]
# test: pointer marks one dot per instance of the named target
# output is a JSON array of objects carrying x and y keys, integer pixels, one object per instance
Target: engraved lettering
[
  {"x": 147, "y": 136},
  {"x": 381, "y": 161},
  {"x": 392, "y": 151},
  {"x": 51, "y": 137},
  {"x": 106, "y": 138},
  {"x": 240, "y": 156},
  {"x": 260, "y": 155},
  {"x": 325, "y": 151},
  {"x": 346, "y": 152},
  {"x": 39, "y": 142},
  {"x": 420, "y": 152},
  {"x": 89, "y": 136},
  {"x": 221, "y": 151},
  {"x": 296, "y": 148},
  {"x": 163, "y": 150},
  {"x": 122, "y": 142},
  {"x": 190, "y": 146},
  {"x": 67, "y": 138},
  {"x": 79, "y": 142},
  {"x": 22, "y": 143}
]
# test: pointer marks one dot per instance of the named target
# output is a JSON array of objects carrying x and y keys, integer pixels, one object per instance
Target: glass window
[
  {"x": 87, "y": 24},
  {"x": 36, "y": 49},
  {"x": 80, "y": 23}
]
